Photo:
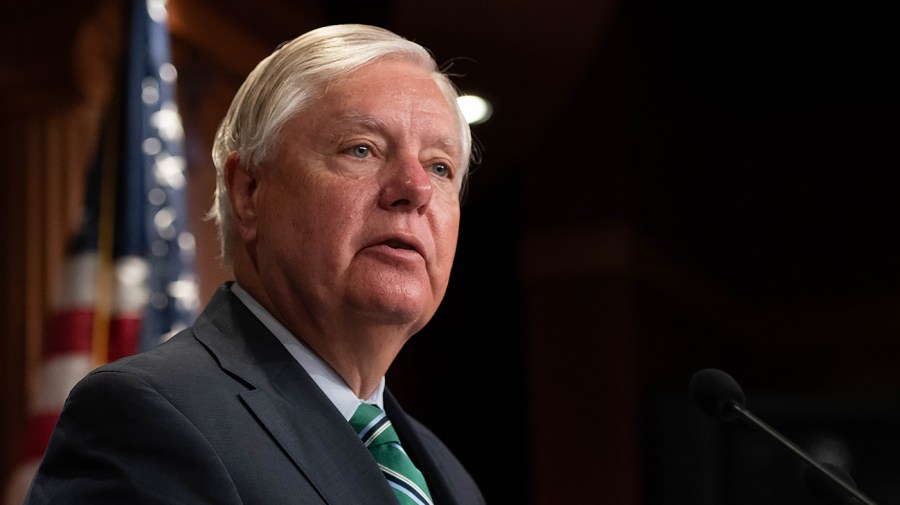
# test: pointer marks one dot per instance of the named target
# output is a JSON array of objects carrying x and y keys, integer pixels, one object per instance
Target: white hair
[{"x": 287, "y": 82}]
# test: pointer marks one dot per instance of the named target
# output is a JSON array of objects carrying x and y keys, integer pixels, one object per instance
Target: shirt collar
[{"x": 322, "y": 374}]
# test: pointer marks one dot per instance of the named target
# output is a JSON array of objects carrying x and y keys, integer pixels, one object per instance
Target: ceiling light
[{"x": 474, "y": 108}]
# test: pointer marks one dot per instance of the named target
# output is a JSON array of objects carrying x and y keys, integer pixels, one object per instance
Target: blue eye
[
  {"x": 360, "y": 151},
  {"x": 441, "y": 169}
]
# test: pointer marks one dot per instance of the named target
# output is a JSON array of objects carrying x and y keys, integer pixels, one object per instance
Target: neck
[
  {"x": 362, "y": 372},
  {"x": 359, "y": 351}
]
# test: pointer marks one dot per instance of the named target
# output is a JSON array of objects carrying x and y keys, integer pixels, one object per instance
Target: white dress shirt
[{"x": 324, "y": 376}]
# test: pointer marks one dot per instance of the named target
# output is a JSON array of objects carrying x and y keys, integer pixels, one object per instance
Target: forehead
[
  {"x": 386, "y": 74},
  {"x": 390, "y": 94}
]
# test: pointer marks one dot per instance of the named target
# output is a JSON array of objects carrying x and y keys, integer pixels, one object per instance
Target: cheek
[
  {"x": 291, "y": 225},
  {"x": 346, "y": 207},
  {"x": 446, "y": 233},
  {"x": 336, "y": 218}
]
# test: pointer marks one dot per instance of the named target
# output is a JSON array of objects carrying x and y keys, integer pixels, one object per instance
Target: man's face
[{"x": 358, "y": 210}]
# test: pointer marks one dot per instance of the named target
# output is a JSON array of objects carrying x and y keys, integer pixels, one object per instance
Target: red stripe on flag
[
  {"x": 124, "y": 334},
  {"x": 37, "y": 435},
  {"x": 69, "y": 331},
  {"x": 72, "y": 331}
]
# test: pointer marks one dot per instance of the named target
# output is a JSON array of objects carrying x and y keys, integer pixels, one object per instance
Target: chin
[
  {"x": 402, "y": 314},
  {"x": 399, "y": 311},
  {"x": 395, "y": 300}
]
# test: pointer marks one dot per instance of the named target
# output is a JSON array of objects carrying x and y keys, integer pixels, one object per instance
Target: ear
[{"x": 242, "y": 183}]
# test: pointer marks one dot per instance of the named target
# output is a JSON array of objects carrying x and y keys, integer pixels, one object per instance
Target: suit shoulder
[{"x": 181, "y": 360}]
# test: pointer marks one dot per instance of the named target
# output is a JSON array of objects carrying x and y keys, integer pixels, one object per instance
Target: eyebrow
[{"x": 359, "y": 119}]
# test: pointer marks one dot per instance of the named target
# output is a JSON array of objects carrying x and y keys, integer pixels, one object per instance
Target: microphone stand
[{"x": 759, "y": 424}]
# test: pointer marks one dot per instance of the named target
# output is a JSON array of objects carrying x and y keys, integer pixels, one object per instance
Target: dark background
[
  {"x": 755, "y": 145},
  {"x": 666, "y": 185}
]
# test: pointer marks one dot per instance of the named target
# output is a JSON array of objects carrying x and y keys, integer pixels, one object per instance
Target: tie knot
[{"x": 373, "y": 426}]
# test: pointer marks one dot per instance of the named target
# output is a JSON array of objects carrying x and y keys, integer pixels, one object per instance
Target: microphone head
[{"x": 714, "y": 391}]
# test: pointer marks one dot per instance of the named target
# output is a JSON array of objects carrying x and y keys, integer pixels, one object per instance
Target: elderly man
[{"x": 340, "y": 165}]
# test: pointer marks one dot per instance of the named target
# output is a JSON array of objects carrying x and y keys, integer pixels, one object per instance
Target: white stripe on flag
[
  {"x": 55, "y": 378},
  {"x": 78, "y": 282}
]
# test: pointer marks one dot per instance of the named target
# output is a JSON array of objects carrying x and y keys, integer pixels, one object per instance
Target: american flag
[{"x": 128, "y": 280}]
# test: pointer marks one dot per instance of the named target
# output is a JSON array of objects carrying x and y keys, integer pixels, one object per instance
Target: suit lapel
[
  {"x": 290, "y": 406},
  {"x": 431, "y": 468}
]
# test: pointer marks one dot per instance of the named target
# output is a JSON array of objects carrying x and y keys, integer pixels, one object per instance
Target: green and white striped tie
[{"x": 376, "y": 432}]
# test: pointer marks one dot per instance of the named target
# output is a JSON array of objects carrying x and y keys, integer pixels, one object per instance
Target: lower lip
[{"x": 392, "y": 252}]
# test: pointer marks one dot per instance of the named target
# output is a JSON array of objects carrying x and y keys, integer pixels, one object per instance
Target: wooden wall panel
[{"x": 53, "y": 93}]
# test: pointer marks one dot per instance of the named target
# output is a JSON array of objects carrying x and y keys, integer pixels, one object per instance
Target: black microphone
[{"x": 718, "y": 395}]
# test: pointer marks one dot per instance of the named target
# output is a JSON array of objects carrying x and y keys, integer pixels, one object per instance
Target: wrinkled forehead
[
  {"x": 412, "y": 72},
  {"x": 388, "y": 95}
]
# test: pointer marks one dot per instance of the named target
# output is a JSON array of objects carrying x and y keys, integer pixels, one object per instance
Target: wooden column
[
  {"x": 583, "y": 330},
  {"x": 55, "y": 80}
]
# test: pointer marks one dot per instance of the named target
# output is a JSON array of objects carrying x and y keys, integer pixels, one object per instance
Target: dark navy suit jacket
[{"x": 223, "y": 414}]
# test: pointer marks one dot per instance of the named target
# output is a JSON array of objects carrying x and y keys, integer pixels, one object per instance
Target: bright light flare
[{"x": 474, "y": 108}]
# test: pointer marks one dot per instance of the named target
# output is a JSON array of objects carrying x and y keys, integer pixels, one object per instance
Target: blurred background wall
[{"x": 666, "y": 185}]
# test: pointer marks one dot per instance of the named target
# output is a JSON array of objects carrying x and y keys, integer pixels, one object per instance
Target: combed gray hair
[{"x": 287, "y": 82}]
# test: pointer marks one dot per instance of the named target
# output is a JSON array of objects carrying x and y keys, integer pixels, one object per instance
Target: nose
[{"x": 406, "y": 186}]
